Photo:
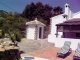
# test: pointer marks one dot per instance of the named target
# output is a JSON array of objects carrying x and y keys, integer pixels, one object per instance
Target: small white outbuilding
[{"x": 35, "y": 30}]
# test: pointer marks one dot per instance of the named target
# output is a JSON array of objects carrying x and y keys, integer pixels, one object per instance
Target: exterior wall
[
  {"x": 30, "y": 32},
  {"x": 56, "y": 20},
  {"x": 59, "y": 42},
  {"x": 76, "y": 15},
  {"x": 67, "y": 11},
  {"x": 70, "y": 15}
]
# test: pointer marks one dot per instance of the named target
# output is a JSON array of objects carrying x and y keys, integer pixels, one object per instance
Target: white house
[
  {"x": 34, "y": 30},
  {"x": 65, "y": 27}
]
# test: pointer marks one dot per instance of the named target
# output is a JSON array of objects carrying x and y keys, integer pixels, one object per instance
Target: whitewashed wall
[
  {"x": 59, "y": 42},
  {"x": 56, "y": 20},
  {"x": 30, "y": 32},
  {"x": 76, "y": 15}
]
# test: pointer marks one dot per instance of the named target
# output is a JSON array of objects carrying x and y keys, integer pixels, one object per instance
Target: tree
[
  {"x": 2, "y": 27},
  {"x": 57, "y": 10},
  {"x": 28, "y": 11},
  {"x": 3, "y": 13},
  {"x": 38, "y": 10},
  {"x": 41, "y": 11},
  {"x": 12, "y": 25},
  {"x": 15, "y": 22}
]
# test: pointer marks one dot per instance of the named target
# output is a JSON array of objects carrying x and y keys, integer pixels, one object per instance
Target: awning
[{"x": 72, "y": 25}]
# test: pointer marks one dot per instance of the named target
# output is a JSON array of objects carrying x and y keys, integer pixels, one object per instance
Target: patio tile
[{"x": 51, "y": 54}]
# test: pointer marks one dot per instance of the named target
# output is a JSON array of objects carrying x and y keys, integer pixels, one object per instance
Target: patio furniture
[
  {"x": 65, "y": 50},
  {"x": 77, "y": 53}
]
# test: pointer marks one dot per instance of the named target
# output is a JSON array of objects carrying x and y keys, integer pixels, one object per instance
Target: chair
[
  {"x": 65, "y": 50},
  {"x": 77, "y": 53}
]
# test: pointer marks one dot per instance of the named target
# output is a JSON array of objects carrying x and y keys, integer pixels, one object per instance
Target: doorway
[{"x": 40, "y": 32}]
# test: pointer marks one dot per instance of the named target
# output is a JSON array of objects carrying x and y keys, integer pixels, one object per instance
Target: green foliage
[
  {"x": 15, "y": 36},
  {"x": 2, "y": 21},
  {"x": 41, "y": 11},
  {"x": 38, "y": 10},
  {"x": 12, "y": 25},
  {"x": 3, "y": 13},
  {"x": 57, "y": 10}
]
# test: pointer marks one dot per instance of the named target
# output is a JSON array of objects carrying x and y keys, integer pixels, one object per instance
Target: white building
[
  {"x": 35, "y": 30},
  {"x": 57, "y": 33}
]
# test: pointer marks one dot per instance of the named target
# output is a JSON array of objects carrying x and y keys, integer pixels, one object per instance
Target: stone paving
[{"x": 32, "y": 45}]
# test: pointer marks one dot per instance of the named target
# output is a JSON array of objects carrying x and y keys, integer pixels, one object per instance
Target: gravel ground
[{"x": 32, "y": 45}]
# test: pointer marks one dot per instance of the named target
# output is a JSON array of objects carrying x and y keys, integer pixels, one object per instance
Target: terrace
[
  {"x": 59, "y": 42},
  {"x": 51, "y": 54},
  {"x": 43, "y": 49}
]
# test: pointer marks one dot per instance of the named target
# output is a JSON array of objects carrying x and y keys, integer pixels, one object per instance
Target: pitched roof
[
  {"x": 70, "y": 22},
  {"x": 35, "y": 22}
]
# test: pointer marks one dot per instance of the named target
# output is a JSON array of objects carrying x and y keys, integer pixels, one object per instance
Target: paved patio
[
  {"x": 42, "y": 49},
  {"x": 33, "y": 45},
  {"x": 51, "y": 54}
]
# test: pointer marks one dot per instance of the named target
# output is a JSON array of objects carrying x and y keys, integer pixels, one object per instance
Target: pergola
[{"x": 72, "y": 25}]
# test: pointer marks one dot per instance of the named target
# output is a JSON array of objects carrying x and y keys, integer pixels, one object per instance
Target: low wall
[{"x": 59, "y": 42}]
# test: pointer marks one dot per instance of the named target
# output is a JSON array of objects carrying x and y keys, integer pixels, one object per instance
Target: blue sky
[{"x": 19, "y": 5}]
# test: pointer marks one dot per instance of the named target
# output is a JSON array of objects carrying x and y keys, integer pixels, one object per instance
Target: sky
[{"x": 19, "y": 5}]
